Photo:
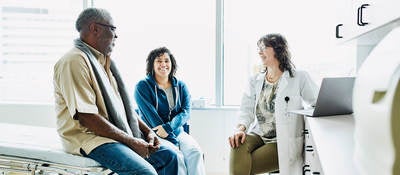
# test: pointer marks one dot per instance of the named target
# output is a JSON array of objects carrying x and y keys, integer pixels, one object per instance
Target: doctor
[{"x": 267, "y": 138}]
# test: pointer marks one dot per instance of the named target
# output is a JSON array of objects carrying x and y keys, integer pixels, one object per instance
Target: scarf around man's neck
[{"x": 114, "y": 108}]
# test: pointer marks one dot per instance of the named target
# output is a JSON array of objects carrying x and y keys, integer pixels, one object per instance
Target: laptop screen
[{"x": 335, "y": 96}]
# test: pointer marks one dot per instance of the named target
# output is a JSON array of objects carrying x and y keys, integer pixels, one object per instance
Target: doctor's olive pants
[{"x": 253, "y": 157}]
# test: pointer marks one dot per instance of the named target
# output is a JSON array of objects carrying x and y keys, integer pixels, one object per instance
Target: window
[
  {"x": 187, "y": 28},
  {"x": 308, "y": 27},
  {"x": 34, "y": 34}
]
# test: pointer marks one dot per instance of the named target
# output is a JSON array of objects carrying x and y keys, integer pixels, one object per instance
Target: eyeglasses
[
  {"x": 112, "y": 28},
  {"x": 261, "y": 48}
]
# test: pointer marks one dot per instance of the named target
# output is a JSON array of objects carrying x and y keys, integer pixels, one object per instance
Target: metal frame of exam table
[
  {"x": 37, "y": 150},
  {"x": 14, "y": 164}
]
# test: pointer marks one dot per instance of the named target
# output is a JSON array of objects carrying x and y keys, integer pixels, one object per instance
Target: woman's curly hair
[
  {"x": 280, "y": 46},
  {"x": 156, "y": 53}
]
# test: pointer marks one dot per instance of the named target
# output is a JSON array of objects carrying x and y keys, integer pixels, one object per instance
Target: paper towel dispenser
[{"x": 376, "y": 103}]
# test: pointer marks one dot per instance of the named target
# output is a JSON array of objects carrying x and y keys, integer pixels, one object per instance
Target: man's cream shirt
[{"x": 77, "y": 90}]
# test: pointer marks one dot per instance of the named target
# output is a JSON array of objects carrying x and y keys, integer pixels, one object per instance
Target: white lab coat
[{"x": 289, "y": 127}]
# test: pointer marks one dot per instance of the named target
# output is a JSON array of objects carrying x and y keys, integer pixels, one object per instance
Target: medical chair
[
  {"x": 38, "y": 150},
  {"x": 376, "y": 102}
]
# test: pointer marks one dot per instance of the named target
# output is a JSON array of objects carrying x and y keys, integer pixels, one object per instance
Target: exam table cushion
[{"x": 38, "y": 143}]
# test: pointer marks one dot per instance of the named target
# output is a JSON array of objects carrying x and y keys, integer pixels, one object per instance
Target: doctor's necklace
[{"x": 272, "y": 79}]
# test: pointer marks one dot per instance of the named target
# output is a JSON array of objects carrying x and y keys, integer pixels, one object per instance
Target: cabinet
[
  {"x": 312, "y": 163},
  {"x": 365, "y": 22},
  {"x": 330, "y": 145},
  {"x": 358, "y": 17}
]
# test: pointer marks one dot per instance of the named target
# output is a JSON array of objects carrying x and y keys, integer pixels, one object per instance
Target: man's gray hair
[{"x": 90, "y": 15}]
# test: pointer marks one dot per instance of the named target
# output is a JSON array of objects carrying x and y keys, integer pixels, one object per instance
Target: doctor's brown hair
[{"x": 280, "y": 46}]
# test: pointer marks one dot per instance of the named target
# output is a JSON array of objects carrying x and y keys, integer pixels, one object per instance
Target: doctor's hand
[
  {"x": 160, "y": 131},
  {"x": 238, "y": 138}
]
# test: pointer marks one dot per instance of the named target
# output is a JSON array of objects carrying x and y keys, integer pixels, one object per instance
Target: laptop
[{"x": 334, "y": 98}]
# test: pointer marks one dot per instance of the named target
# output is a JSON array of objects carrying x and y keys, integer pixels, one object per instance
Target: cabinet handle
[
  {"x": 305, "y": 131},
  {"x": 309, "y": 148},
  {"x": 306, "y": 169},
  {"x": 337, "y": 31},
  {"x": 360, "y": 21}
]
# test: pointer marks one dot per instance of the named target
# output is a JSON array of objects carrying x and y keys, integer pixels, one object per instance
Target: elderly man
[{"x": 95, "y": 118}]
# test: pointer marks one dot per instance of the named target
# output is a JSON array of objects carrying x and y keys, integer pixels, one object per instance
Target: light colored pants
[
  {"x": 190, "y": 153},
  {"x": 253, "y": 157}
]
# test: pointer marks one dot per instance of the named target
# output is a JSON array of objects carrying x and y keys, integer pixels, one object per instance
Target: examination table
[{"x": 38, "y": 150}]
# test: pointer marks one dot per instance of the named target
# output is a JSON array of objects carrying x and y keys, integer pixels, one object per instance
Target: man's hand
[
  {"x": 154, "y": 143},
  {"x": 140, "y": 146},
  {"x": 102, "y": 127},
  {"x": 160, "y": 131}
]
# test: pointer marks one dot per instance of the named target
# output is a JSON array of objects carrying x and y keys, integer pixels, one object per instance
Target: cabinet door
[
  {"x": 384, "y": 11},
  {"x": 311, "y": 159},
  {"x": 368, "y": 15},
  {"x": 344, "y": 20}
]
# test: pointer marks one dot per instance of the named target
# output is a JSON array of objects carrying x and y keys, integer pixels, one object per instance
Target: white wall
[
  {"x": 210, "y": 127},
  {"x": 28, "y": 114}
]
